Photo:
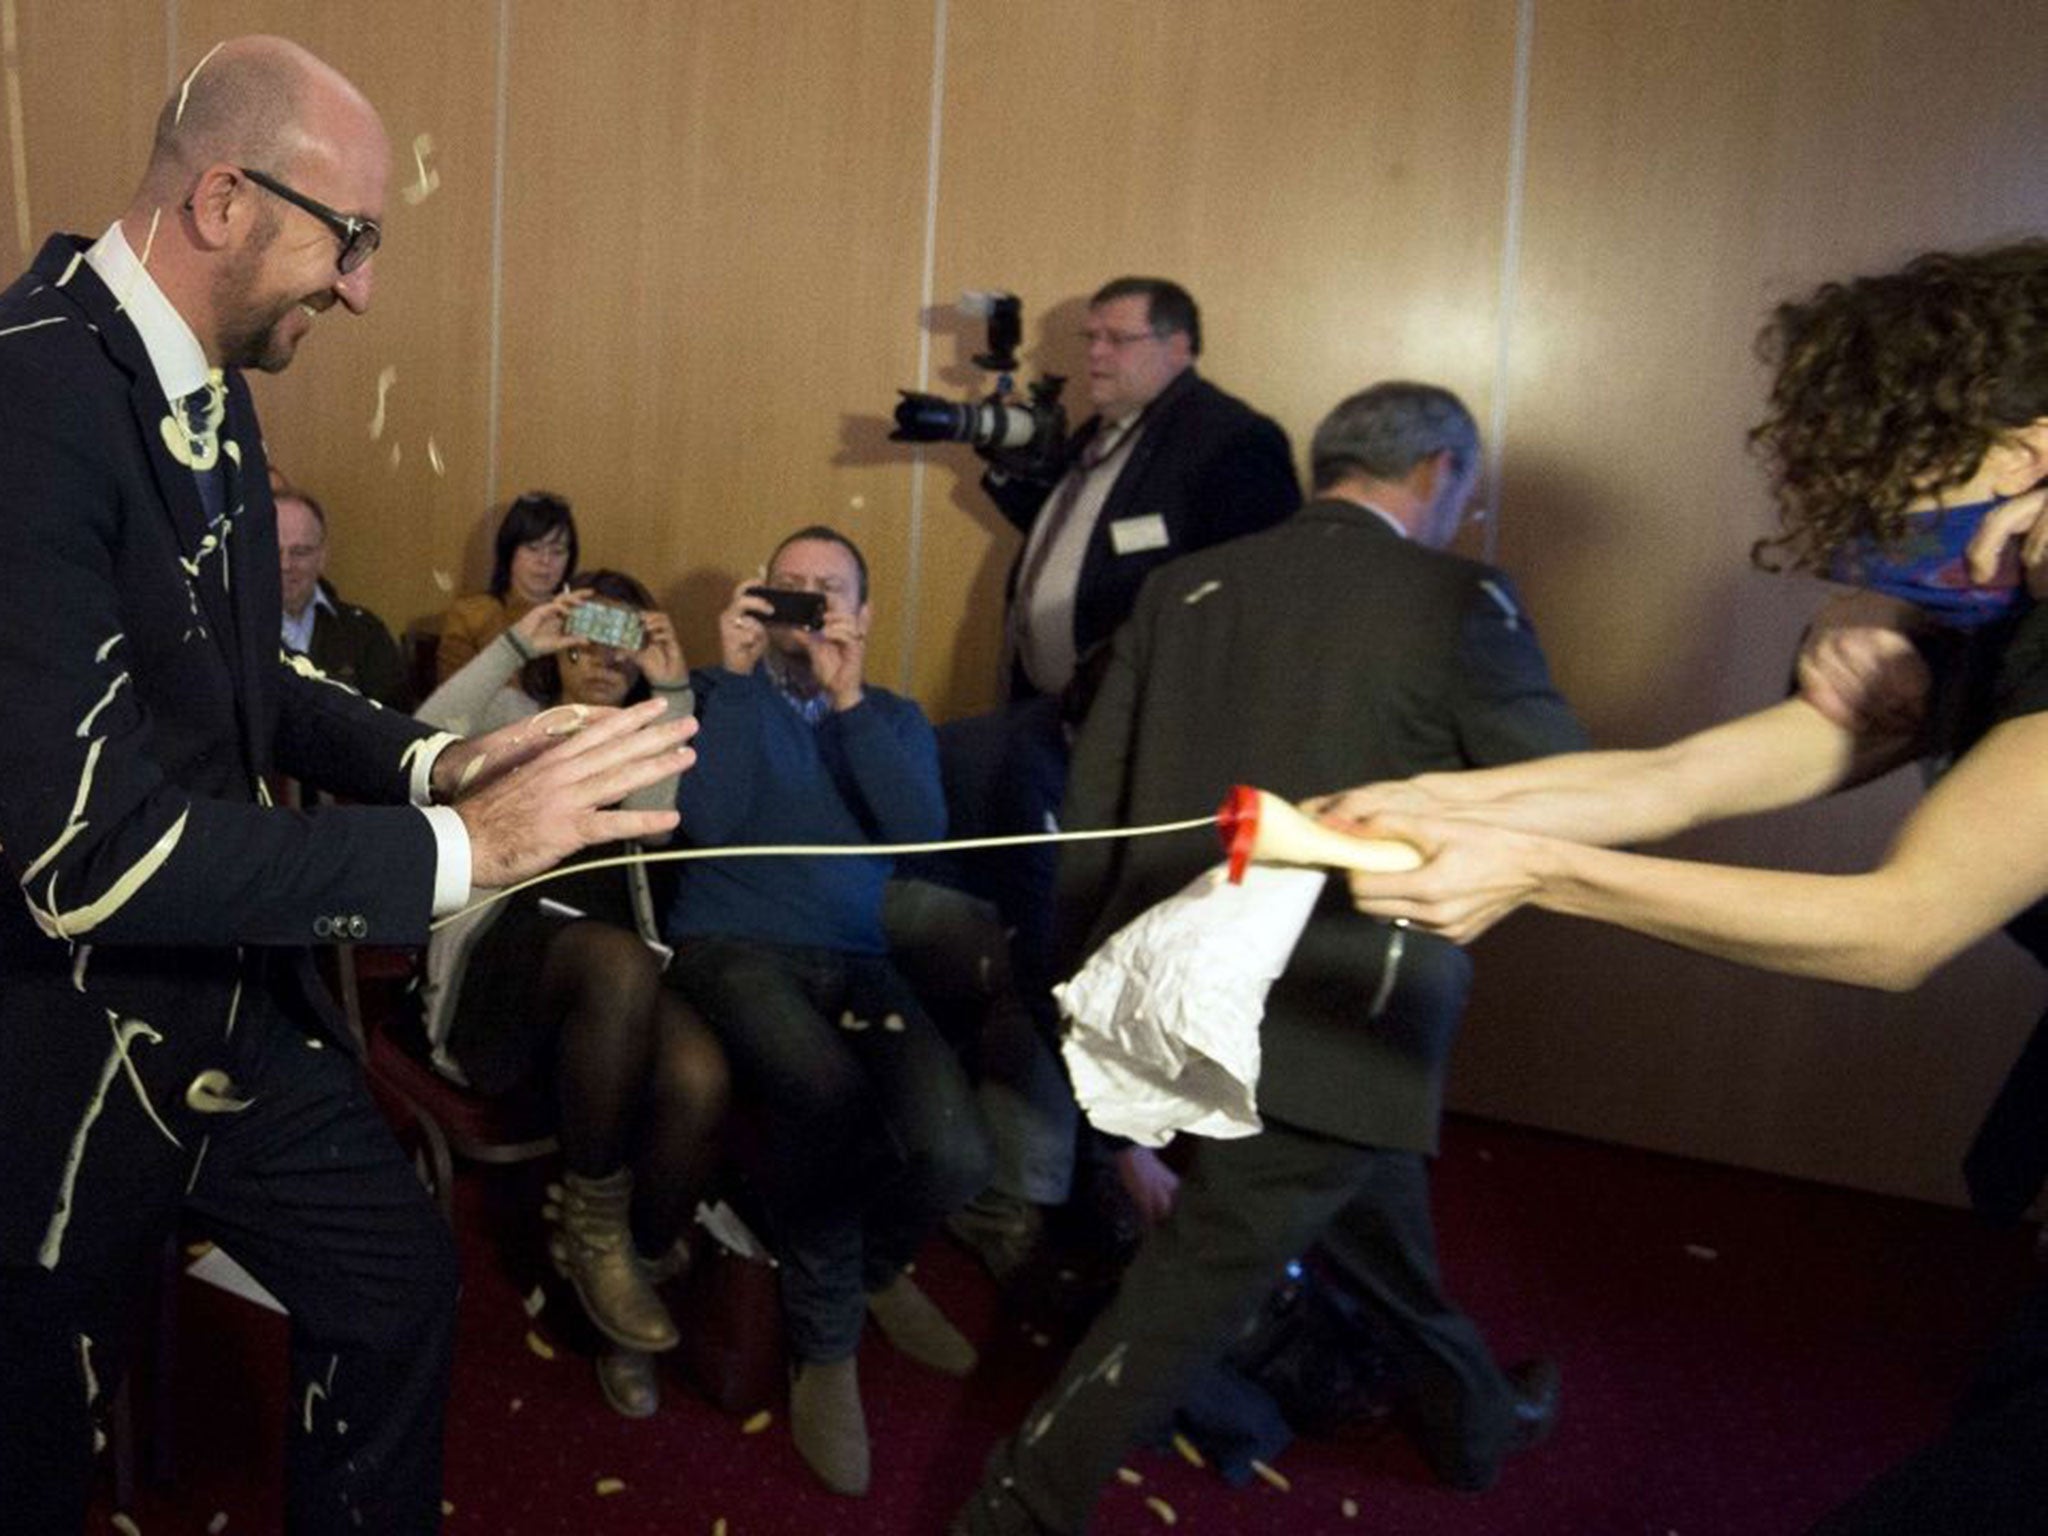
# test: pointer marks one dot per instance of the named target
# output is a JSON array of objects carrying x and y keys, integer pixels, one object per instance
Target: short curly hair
[{"x": 1892, "y": 388}]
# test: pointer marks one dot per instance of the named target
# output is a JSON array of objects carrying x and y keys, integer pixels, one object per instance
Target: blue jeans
[{"x": 872, "y": 1134}]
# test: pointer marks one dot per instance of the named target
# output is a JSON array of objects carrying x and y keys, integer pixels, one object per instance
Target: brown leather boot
[
  {"x": 592, "y": 1246},
  {"x": 828, "y": 1425}
]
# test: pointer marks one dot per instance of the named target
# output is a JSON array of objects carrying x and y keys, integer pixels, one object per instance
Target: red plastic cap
[{"x": 1238, "y": 820}]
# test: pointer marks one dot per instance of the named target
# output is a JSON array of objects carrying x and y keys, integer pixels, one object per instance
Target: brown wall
[{"x": 680, "y": 256}]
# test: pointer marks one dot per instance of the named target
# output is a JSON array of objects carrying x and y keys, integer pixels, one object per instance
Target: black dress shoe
[{"x": 1536, "y": 1392}]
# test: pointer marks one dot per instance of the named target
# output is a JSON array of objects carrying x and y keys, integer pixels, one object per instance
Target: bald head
[
  {"x": 260, "y": 101},
  {"x": 252, "y": 260}
]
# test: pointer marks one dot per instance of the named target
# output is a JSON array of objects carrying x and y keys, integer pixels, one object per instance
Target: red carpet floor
[{"x": 1739, "y": 1353}]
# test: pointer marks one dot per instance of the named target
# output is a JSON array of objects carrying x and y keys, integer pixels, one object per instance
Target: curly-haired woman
[{"x": 1908, "y": 441}]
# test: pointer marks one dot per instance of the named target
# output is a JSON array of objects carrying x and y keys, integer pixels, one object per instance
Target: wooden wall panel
[
  {"x": 714, "y": 224},
  {"x": 1688, "y": 167},
  {"x": 1338, "y": 221},
  {"x": 79, "y": 160},
  {"x": 395, "y": 524}
]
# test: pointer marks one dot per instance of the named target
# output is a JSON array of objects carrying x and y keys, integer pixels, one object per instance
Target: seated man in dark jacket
[
  {"x": 347, "y": 643},
  {"x": 872, "y": 1132}
]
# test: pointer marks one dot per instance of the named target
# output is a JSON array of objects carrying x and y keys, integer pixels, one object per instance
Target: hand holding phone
[
  {"x": 793, "y": 610},
  {"x": 606, "y": 624}
]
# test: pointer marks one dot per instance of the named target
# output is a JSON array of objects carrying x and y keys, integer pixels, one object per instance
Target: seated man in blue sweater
[{"x": 872, "y": 1130}]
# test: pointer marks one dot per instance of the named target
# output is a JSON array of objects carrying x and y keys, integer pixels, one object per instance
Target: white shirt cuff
[{"x": 451, "y": 858}]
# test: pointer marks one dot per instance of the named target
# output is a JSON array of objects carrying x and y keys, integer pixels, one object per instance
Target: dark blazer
[
  {"x": 351, "y": 645},
  {"x": 1206, "y": 464},
  {"x": 1323, "y": 653},
  {"x": 147, "y": 701}
]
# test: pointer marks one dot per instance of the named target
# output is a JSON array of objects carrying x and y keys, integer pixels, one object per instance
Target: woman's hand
[
  {"x": 1471, "y": 876},
  {"x": 2019, "y": 519},
  {"x": 541, "y": 631},
  {"x": 1858, "y": 665},
  {"x": 1423, "y": 795},
  {"x": 661, "y": 653}
]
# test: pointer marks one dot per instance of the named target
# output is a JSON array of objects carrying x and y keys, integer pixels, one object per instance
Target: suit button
[
  {"x": 357, "y": 927},
  {"x": 323, "y": 927},
  {"x": 212, "y": 1092}
]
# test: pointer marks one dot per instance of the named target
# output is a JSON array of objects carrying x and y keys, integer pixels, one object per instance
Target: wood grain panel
[
  {"x": 395, "y": 525},
  {"x": 1689, "y": 166},
  {"x": 714, "y": 227},
  {"x": 1328, "y": 179},
  {"x": 90, "y": 76}
]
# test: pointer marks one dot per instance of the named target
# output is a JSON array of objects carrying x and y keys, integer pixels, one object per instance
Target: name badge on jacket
[{"x": 1135, "y": 535}]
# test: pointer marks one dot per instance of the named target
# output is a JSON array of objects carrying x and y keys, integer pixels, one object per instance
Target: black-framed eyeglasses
[{"x": 359, "y": 236}]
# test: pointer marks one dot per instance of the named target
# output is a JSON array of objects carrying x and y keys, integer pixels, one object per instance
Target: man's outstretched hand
[{"x": 539, "y": 790}]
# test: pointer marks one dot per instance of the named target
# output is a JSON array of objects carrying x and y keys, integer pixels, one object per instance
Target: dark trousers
[
  {"x": 307, "y": 1190},
  {"x": 1988, "y": 1475},
  {"x": 872, "y": 1134},
  {"x": 1246, "y": 1207}
]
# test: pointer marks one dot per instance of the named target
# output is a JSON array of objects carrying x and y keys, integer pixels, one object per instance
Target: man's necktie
[
  {"x": 192, "y": 433},
  {"x": 1066, "y": 498}
]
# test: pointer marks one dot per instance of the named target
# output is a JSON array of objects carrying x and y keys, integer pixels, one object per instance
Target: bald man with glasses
[{"x": 168, "y": 1059}]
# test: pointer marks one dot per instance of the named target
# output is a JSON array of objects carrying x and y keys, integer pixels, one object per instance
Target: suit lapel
[{"x": 203, "y": 552}]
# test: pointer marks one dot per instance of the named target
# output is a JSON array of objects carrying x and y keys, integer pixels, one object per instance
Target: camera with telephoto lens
[{"x": 1029, "y": 431}]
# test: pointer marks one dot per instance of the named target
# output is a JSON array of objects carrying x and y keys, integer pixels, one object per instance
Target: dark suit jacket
[
  {"x": 147, "y": 699},
  {"x": 1206, "y": 464},
  {"x": 1320, "y": 654},
  {"x": 351, "y": 645}
]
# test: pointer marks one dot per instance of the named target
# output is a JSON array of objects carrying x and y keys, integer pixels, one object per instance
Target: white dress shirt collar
[{"x": 174, "y": 352}]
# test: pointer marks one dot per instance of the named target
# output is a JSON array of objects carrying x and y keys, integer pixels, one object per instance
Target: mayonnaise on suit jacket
[{"x": 147, "y": 699}]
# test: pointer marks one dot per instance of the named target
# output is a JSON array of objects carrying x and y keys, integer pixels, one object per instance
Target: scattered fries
[
  {"x": 1126, "y": 1475},
  {"x": 757, "y": 1423},
  {"x": 1162, "y": 1509},
  {"x": 607, "y": 1486},
  {"x": 539, "y": 1345},
  {"x": 1187, "y": 1450},
  {"x": 1277, "y": 1479}
]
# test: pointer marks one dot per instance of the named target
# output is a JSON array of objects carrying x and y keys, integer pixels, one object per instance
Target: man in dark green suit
[{"x": 1342, "y": 646}]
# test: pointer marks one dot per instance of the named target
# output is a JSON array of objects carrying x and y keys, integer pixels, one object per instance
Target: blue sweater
[{"x": 765, "y": 775}]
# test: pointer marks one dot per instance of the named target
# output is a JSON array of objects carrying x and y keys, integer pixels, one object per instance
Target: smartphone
[
  {"x": 796, "y": 610},
  {"x": 607, "y": 624}
]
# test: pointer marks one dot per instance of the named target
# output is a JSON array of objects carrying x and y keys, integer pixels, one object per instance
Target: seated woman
[
  {"x": 1909, "y": 410},
  {"x": 534, "y": 551},
  {"x": 563, "y": 977}
]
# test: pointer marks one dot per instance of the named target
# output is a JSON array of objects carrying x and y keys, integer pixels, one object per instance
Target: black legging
[{"x": 641, "y": 1080}]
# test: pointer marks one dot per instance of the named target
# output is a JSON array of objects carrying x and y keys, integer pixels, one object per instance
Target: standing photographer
[{"x": 1168, "y": 464}]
